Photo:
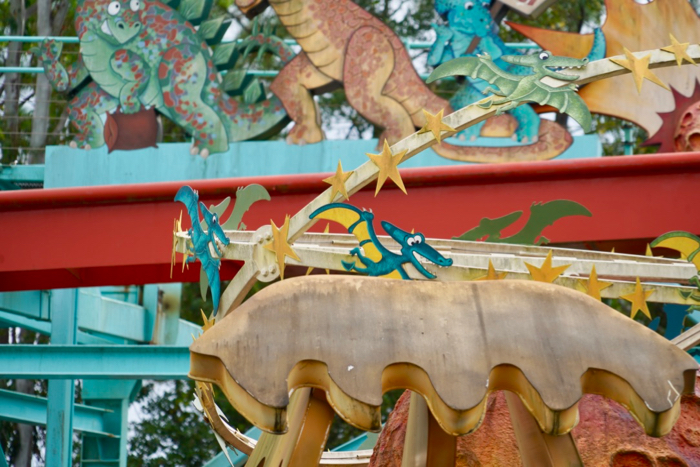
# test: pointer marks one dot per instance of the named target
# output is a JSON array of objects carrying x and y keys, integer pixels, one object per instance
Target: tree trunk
[
  {"x": 25, "y": 433},
  {"x": 40, "y": 118},
  {"x": 13, "y": 81}
]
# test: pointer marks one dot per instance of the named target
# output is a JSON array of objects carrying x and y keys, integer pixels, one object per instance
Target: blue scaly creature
[
  {"x": 201, "y": 239},
  {"x": 378, "y": 261},
  {"x": 470, "y": 20}
]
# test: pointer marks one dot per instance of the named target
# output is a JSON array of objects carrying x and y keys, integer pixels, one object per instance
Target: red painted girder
[{"x": 109, "y": 235}]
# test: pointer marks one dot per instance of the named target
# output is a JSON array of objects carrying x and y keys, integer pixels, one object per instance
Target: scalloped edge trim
[{"x": 367, "y": 417}]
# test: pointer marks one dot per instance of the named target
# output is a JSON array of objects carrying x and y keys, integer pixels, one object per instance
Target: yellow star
[
  {"x": 280, "y": 244},
  {"x": 337, "y": 182},
  {"x": 638, "y": 299},
  {"x": 648, "y": 252},
  {"x": 639, "y": 68},
  {"x": 492, "y": 275},
  {"x": 593, "y": 286},
  {"x": 546, "y": 273},
  {"x": 679, "y": 50},
  {"x": 387, "y": 163},
  {"x": 207, "y": 322},
  {"x": 434, "y": 124},
  {"x": 325, "y": 231}
]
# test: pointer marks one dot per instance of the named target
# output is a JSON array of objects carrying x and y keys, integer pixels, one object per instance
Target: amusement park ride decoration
[
  {"x": 634, "y": 26},
  {"x": 471, "y": 31},
  {"x": 516, "y": 89},
  {"x": 541, "y": 215},
  {"x": 148, "y": 55},
  {"x": 378, "y": 261},
  {"x": 420, "y": 335}
]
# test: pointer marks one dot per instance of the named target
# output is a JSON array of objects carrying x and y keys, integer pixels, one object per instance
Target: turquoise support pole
[
  {"x": 3, "y": 460},
  {"x": 63, "y": 307}
]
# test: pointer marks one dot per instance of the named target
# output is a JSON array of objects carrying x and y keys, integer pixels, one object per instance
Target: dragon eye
[
  {"x": 114, "y": 8},
  {"x": 410, "y": 241},
  {"x": 469, "y": 5},
  {"x": 486, "y": 5},
  {"x": 418, "y": 239},
  {"x": 544, "y": 55},
  {"x": 134, "y": 5},
  {"x": 213, "y": 218}
]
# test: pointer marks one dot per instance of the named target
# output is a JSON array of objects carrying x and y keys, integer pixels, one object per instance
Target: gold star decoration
[
  {"x": 648, "y": 252},
  {"x": 207, "y": 322},
  {"x": 325, "y": 231},
  {"x": 492, "y": 275},
  {"x": 280, "y": 244},
  {"x": 388, "y": 167},
  {"x": 546, "y": 273},
  {"x": 593, "y": 286},
  {"x": 177, "y": 228},
  {"x": 638, "y": 299},
  {"x": 679, "y": 50},
  {"x": 435, "y": 125},
  {"x": 639, "y": 68},
  {"x": 337, "y": 182}
]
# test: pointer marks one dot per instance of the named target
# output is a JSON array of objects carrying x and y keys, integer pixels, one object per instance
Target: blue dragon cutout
[
  {"x": 201, "y": 239},
  {"x": 377, "y": 260},
  {"x": 472, "y": 20}
]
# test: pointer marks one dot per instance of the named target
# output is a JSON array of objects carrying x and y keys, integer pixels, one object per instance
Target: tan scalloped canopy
[{"x": 453, "y": 342}]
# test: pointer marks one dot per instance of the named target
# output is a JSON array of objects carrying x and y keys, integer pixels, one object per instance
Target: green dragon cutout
[
  {"x": 517, "y": 89},
  {"x": 141, "y": 54},
  {"x": 541, "y": 216}
]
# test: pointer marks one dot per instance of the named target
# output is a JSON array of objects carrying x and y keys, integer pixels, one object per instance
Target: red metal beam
[{"x": 88, "y": 236}]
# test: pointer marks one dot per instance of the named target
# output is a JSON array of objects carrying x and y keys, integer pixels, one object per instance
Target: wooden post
[
  {"x": 426, "y": 443},
  {"x": 310, "y": 418},
  {"x": 538, "y": 449}
]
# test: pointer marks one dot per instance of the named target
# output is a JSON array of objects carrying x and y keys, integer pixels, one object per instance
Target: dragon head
[
  {"x": 252, "y": 8},
  {"x": 213, "y": 225},
  {"x": 471, "y": 18},
  {"x": 413, "y": 245},
  {"x": 546, "y": 64},
  {"x": 116, "y": 22}
]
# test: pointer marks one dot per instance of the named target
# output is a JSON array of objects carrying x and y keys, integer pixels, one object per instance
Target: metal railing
[{"x": 411, "y": 45}]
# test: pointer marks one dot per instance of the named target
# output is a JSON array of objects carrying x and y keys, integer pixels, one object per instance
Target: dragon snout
[{"x": 442, "y": 261}]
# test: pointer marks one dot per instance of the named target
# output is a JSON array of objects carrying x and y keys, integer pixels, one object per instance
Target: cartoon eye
[
  {"x": 114, "y": 8},
  {"x": 544, "y": 55},
  {"x": 418, "y": 239},
  {"x": 486, "y": 5},
  {"x": 213, "y": 218},
  {"x": 469, "y": 5},
  {"x": 135, "y": 5},
  {"x": 410, "y": 241}
]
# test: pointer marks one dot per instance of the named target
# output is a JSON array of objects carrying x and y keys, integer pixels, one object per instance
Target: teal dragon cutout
[
  {"x": 377, "y": 260},
  {"x": 541, "y": 216},
  {"x": 516, "y": 89},
  {"x": 245, "y": 198},
  {"x": 201, "y": 239},
  {"x": 141, "y": 54},
  {"x": 470, "y": 26}
]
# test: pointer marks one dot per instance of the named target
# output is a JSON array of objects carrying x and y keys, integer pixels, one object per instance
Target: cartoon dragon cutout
[
  {"x": 245, "y": 198},
  {"x": 377, "y": 259},
  {"x": 469, "y": 22},
  {"x": 516, "y": 89},
  {"x": 142, "y": 54},
  {"x": 541, "y": 216},
  {"x": 201, "y": 239},
  {"x": 345, "y": 46}
]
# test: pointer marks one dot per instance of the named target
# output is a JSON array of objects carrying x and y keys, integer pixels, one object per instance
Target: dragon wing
[
  {"x": 477, "y": 67},
  {"x": 351, "y": 218}
]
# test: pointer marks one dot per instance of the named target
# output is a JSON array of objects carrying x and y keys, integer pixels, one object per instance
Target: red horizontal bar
[{"x": 69, "y": 237}]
